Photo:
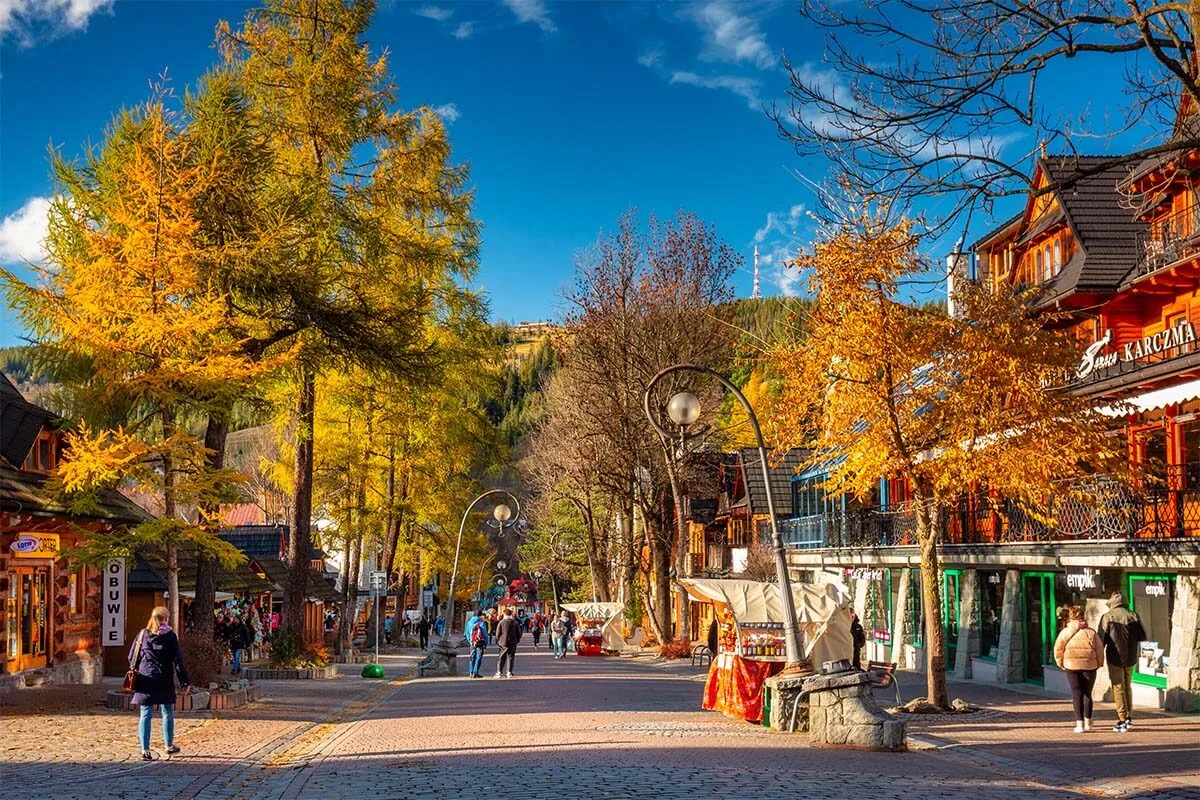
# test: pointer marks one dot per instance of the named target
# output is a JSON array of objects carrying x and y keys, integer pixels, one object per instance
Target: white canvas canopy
[
  {"x": 824, "y": 621},
  {"x": 610, "y": 616}
]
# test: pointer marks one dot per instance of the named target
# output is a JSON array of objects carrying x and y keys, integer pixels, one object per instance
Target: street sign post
[{"x": 379, "y": 589}]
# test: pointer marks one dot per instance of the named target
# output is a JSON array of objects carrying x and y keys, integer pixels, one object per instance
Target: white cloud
[
  {"x": 746, "y": 88},
  {"x": 464, "y": 30},
  {"x": 730, "y": 36},
  {"x": 439, "y": 13},
  {"x": 651, "y": 59},
  {"x": 449, "y": 112},
  {"x": 534, "y": 11},
  {"x": 30, "y": 20},
  {"x": 782, "y": 237},
  {"x": 22, "y": 235}
]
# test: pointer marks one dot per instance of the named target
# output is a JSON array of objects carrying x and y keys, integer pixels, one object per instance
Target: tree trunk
[
  {"x": 201, "y": 617},
  {"x": 628, "y": 550},
  {"x": 299, "y": 547},
  {"x": 169, "y": 513},
  {"x": 684, "y": 624},
  {"x": 659, "y": 605},
  {"x": 931, "y": 589}
]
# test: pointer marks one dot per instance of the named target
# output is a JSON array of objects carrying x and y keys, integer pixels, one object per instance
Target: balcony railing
[
  {"x": 1168, "y": 241},
  {"x": 1101, "y": 509}
]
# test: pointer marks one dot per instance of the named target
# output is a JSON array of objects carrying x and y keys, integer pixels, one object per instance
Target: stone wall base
[
  {"x": 86, "y": 671},
  {"x": 196, "y": 700},
  {"x": 268, "y": 674}
]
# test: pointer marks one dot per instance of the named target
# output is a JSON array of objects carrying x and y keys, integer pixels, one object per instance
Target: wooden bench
[
  {"x": 883, "y": 675},
  {"x": 699, "y": 653}
]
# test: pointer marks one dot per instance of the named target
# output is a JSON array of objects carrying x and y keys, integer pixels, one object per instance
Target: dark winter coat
[
  {"x": 508, "y": 633},
  {"x": 1122, "y": 633},
  {"x": 158, "y": 664},
  {"x": 240, "y": 636}
]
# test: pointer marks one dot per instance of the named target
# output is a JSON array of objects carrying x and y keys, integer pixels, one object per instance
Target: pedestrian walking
[
  {"x": 157, "y": 661},
  {"x": 439, "y": 625},
  {"x": 240, "y": 637},
  {"x": 858, "y": 637},
  {"x": 1079, "y": 652},
  {"x": 558, "y": 635},
  {"x": 477, "y": 635},
  {"x": 535, "y": 628},
  {"x": 1122, "y": 634},
  {"x": 508, "y": 634},
  {"x": 423, "y": 632}
]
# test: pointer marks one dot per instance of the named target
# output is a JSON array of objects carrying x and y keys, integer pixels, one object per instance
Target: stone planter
[
  {"x": 315, "y": 673},
  {"x": 354, "y": 658},
  {"x": 196, "y": 700}
]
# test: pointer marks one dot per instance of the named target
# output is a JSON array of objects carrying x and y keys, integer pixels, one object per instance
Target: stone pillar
[
  {"x": 1010, "y": 656},
  {"x": 968, "y": 625},
  {"x": 1183, "y": 676},
  {"x": 900, "y": 622}
]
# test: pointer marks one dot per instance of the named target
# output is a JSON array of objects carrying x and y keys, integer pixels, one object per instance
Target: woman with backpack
[
  {"x": 1079, "y": 652},
  {"x": 157, "y": 660},
  {"x": 477, "y": 635}
]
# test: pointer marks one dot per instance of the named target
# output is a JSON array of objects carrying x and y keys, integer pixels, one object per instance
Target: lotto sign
[{"x": 112, "y": 629}]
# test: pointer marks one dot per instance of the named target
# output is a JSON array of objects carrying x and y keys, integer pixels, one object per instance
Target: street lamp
[
  {"x": 684, "y": 410},
  {"x": 444, "y": 651}
]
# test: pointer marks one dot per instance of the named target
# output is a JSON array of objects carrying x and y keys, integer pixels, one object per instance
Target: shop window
[
  {"x": 1152, "y": 598},
  {"x": 914, "y": 617},
  {"x": 991, "y": 604},
  {"x": 1074, "y": 588},
  {"x": 877, "y": 611}
]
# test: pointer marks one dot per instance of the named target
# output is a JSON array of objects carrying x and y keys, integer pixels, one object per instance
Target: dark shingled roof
[
  {"x": 264, "y": 544},
  {"x": 1102, "y": 223},
  {"x": 20, "y": 422},
  {"x": 28, "y": 489},
  {"x": 781, "y": 479}
]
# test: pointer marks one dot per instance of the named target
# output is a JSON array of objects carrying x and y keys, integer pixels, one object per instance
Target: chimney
[{"x": 958, "y": 272}]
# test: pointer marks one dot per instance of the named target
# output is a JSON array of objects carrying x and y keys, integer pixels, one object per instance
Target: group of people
[
  {"x": 505, "y": 630},
  {"x": 1080, "y": 651}
]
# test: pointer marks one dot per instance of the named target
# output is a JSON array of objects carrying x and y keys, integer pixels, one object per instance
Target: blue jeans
[
  {"x": 557, "y": 642},
  {"x": 477, "y": 660},
  {"x": 237, "y": 660},
  {"x": 168, "y": 724}
]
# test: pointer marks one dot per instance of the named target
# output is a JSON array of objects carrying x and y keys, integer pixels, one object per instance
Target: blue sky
[{"x": 567, "y": 113}]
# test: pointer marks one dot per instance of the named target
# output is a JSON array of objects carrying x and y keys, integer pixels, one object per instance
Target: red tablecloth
[{"x": 735, "y": 686}]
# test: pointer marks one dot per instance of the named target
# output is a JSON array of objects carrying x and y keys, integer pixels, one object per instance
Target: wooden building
[{"x": 49, "y": 605}]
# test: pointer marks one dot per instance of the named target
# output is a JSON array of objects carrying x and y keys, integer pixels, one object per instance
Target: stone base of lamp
[
  {"x": 843, "y": 713},
  {"x": 442, "y": 660}
]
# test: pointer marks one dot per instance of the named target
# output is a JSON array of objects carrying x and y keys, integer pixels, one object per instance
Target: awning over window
[{"x": 1159, "y": 398}]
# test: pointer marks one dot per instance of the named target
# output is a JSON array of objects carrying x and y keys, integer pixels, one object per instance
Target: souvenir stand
[
  {"x": 751, "y": 644},
  {"x": 598, "y": 627}
]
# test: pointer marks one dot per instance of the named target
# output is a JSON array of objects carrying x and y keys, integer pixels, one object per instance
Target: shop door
[
  {"x": 1039, "y": 623},
  {"x": 28, "y": 615},
  {"x": 951, "y": 598}
]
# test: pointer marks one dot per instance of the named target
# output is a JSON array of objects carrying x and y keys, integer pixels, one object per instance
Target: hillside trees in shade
[{"x": 883, "y": 389}]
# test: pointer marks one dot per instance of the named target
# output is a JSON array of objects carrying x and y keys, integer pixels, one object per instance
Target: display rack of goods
[{"x": 762, "y": 641}]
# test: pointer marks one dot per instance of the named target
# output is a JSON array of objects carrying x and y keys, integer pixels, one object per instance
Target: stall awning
[
  {"x": 756, "y": 601},
  {"x": 1156, "y": 399}
]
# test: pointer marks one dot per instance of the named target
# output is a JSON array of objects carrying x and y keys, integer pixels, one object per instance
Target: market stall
[
  {"x": 751, "y": 643},
  {"x": 598, "y": 627}
]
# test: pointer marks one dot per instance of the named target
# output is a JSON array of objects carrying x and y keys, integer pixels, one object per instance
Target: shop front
[
  {"x": 1152, "y": 598},
  {"x": 28, "y": 604}
]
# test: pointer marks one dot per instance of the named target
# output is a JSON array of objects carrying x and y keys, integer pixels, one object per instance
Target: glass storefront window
[
  {"x": 914, "y": 619},
  {"x": 1152, "y": 598},
  {"x": 1075, "y": 588},
  {"x": 991, "y": 603},
  {"x": 877, "y": 611}
]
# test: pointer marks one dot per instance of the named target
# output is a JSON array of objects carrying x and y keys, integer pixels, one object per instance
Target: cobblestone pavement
[{"x": 602, "y": 728}]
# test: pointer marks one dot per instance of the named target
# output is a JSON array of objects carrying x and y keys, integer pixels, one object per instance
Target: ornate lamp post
[
  {"x": 442, "y": 656},
  {"x": 684, "y": 409}
]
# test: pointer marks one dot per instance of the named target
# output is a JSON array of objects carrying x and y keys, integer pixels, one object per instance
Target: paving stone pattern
[{"x": 592, "y": 728}]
